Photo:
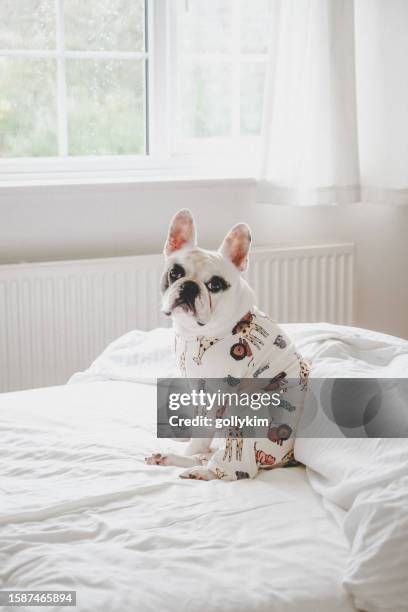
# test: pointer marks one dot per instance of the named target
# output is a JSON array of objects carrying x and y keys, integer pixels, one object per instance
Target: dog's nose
[{"x": 189, "y": 290}]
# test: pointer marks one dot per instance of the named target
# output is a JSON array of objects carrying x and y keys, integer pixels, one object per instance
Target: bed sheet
[{"x": 80, "y": 510}]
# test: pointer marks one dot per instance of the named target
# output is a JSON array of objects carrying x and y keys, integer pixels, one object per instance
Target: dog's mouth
[{"x": 187, "y": 306}]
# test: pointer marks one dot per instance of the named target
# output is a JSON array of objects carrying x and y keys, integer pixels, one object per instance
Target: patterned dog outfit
[{"x": 257, "y": 348}]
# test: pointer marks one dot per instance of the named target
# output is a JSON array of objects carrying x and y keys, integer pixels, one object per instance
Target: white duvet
[
  {"x": 80, "y": 510},
  {"x": 144, "y": 356}
]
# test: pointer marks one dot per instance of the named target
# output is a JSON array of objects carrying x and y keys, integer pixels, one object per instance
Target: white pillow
[{"x": 138, "y": 356}]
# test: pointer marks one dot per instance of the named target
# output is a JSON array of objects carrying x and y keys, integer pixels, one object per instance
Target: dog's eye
[
  {"x": 176, "y": 272},
  {"x": 216, "y": 284}
]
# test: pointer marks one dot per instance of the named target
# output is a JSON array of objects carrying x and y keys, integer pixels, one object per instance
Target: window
[
  {"x": 73, "y": 78},
  {"x": 130, "y": 79},
  {"x": 222, "y": 47}
]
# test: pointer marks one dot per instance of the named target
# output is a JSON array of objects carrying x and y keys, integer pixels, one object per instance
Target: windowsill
[
  {"x": 122, "y": 173},
  {"x": 117, "y": 185}
]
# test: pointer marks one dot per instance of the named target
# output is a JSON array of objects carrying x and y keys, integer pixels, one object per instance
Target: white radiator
[{"x": 55, "y": 318}]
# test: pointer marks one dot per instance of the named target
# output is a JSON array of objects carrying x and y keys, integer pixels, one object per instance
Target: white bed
[{"x": 80, "y": 510}]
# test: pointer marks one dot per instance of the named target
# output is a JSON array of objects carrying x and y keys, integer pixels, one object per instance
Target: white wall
[{"x": 46, "y": 223}]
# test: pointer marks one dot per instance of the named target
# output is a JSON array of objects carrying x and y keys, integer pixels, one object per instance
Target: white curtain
[{"x": 335, "y": 125}]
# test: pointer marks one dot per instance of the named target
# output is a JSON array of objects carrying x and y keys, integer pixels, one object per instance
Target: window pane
[
  {"x": 27, "y": 24},
  {"x": 104, "y": 25},
  {"x": 27, "y": 107},
  {"x": 205, "y": 26},
  {"x": 252, "y": 93},
  {"x": 256, "y": 25},
  {"x": 206, "y": 99},
  {"x": 105, "y": 107}
]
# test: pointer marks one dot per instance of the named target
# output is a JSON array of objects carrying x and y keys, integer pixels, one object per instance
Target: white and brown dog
[{"x": 221, "y": 334}]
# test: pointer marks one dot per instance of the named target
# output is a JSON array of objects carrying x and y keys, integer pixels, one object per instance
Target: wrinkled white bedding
[
  {"x": 364, "y": 484},
  {"x": 377, "y": 566},
  {"x": 144, "y": 356},
  {"x": 80, "y": 510}
]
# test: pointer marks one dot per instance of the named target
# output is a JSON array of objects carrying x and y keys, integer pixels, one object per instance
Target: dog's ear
[
  {"x": 235, "y": 246},
  {"x": 182, "y": 232}
]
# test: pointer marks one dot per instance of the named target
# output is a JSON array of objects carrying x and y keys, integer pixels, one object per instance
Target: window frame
[{"x": 166, "y": 157}]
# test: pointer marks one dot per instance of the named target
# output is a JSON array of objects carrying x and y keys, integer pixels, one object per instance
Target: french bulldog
[{"x": 220, "y": 333}]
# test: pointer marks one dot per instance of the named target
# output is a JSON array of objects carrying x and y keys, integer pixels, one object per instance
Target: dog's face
[{"x": 201, "y": 289}]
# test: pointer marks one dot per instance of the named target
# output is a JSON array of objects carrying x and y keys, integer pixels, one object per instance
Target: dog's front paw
[
  {"x": 198, "y": 473},
  {"x": 157, "y": 459}
]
